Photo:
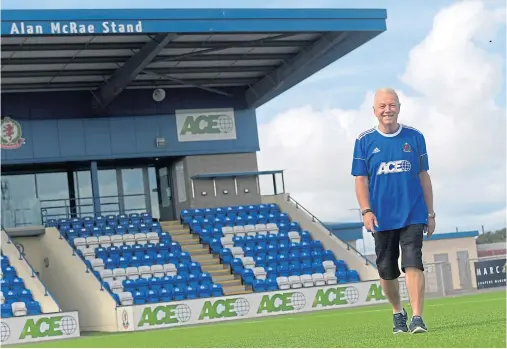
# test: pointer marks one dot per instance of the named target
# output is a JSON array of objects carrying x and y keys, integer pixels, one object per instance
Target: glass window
[
  {"x": 133, "y": 190},
  {"x": 83, "y": 192},
  {"x": 53, "y": 194},
  {"x": 108, "y": 190},
  {"x": 20, "y": 206}
]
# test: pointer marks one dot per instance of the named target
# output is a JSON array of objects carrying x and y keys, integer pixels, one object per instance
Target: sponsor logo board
[
  {"x": 196, "y": 311},
  {"x": 25, "y": 329}
]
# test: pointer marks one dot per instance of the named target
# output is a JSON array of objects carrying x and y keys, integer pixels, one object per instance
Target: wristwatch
[
  {"x": 365, "y": 211},
  {"x": 431, "y": 215}
]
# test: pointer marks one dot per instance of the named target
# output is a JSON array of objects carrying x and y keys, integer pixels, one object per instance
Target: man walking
[{"x": 394, "y": 192}]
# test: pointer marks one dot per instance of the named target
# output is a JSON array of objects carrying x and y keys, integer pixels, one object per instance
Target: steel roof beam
[
  {"x": 129, "y": 71},
  {"x": 122, "y": 59},
  {"x": 139, "y": 45},
  {"x": 187, "y": 84},
  {"x": 139, "y": 83},
  {"x": 108, "y": 72},
  {"x": 259, "y": 93}
]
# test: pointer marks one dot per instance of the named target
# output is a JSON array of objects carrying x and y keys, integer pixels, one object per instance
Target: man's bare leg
[
  {"x": 391, "y": 289},
  {"x": 415, "y": 285}
]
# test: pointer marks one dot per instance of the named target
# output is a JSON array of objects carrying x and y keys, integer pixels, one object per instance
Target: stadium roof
[{"x": 263, "y": 51}]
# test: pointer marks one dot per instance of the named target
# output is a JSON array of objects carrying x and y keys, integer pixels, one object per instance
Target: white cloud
[{"x": 454, "y": 83}]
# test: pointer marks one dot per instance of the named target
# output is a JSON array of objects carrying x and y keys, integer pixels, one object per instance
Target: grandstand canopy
[{"x": 261, "y": 52}]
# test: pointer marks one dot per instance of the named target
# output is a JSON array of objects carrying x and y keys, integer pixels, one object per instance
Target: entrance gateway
[{"x": 138, "y": 110}]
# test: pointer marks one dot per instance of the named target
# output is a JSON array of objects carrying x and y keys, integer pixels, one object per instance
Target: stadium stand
[
  {"x": 266, "y": 249},
  {"x": 135, "y": 260},
  {"x": 249, "y": 248},
  {"x": 22, "y": 292}
]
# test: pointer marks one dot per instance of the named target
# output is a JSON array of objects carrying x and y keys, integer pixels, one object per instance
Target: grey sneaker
[
  {"x": 400, "y": 322},
  {"x": 417, "y": 325}
]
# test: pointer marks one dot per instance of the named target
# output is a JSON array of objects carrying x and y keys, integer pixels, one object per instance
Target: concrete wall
[
  {"x": 452, "y": 247},
  {"x": 66, "y": 278},
  {"x": 32, "y": 282},
  {"x": 223, "y": 163},
  {"x": 329, "y": 241}
]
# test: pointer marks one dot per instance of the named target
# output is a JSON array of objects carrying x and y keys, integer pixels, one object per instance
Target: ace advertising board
[
  {"x": 26, "y": 329},
  {"x": 206, "y": 310}
]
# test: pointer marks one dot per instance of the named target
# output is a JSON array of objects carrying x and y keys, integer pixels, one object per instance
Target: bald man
[{"x": 393, "y": 188}]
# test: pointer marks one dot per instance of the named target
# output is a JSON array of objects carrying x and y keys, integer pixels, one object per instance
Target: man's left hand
[{"x": 430, "y": 229}]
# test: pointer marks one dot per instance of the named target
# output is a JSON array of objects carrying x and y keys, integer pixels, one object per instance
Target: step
[
  {"x": 187, "y": 241},
  {"x": 219, "y": 272},
  {"x": 223, "y": 277},
  {"x": 200, "y": 254},
  {"x": 184, "y": 237},
  {"x": 170, "y": 223},
  {"x": 203, "y": 256},
  {"x": 234, "y": 290},
  {"x": 175, "y": 232},
  {"x": 226, "y": 282}
]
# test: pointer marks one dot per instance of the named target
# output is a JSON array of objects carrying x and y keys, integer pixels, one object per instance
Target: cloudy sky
[{"x": 446, "y": 59}]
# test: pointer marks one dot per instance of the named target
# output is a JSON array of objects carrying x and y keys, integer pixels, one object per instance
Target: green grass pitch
[{"x": 466, "y": 321}]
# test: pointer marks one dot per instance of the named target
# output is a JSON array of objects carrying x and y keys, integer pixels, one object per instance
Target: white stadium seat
[
  {"x": 132, "y": 273},
  {"x": 157, "y": 270},
  {"x": 117, "y": 240},
  {"x": 283, "y": 283},
  {"x": 318, "y": 279},
  {"x": 141, "y": 238},
  {"x": 307, "y": 280},
  {"x": 153, "y": 238},
  {"x": 92, "y": 242},
  {"x": 330, "y": 279},
  {"x": 19, "y": 309},
  {"x": 129, "y": 239},
  {"x": 126, "y": 298},
  {"x": 119, "y": 274},
  {"x": 295, "y": 281},
  {"x": 105, "y": 241},
  {"x": 170, "y": 269}
]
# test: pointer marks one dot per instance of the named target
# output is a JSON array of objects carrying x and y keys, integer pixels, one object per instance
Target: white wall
[
  {"x": 24, "y": 270},
  {"x": 65, "y": 276},
  {"x": 451, "y": 247}
]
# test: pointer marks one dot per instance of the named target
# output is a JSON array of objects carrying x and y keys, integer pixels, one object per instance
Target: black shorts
[{"x": 387, "y": 249}]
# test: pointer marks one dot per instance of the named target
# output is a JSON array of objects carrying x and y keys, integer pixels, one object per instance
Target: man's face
[{"x": 387, "y": 108}]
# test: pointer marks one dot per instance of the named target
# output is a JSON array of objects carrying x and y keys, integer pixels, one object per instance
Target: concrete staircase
[{"x": 220, "y": 273}]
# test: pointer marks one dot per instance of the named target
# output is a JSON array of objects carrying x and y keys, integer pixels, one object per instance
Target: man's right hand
[{"x": 370, "y": 221}]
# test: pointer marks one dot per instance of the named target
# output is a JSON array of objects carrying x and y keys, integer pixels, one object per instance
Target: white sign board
[
  {"x": 254, "y": 305},
  {"x": 205, "y": 124},
  {"x": 27, "y": 329}
]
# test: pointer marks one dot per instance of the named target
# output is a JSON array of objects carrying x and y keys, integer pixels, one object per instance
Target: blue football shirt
[{"x": 392, "y": 163}]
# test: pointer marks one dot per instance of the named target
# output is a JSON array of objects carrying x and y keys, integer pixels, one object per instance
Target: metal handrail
[
  {"x": 34, "y": 273},
  {"x": 315, "y": 219},
  {"x": 66, "y": 204}
]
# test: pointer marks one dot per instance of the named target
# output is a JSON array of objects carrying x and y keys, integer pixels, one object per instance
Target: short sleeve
[
  {"x": 423, "y": 155},
  {"x": 359, "y": 167}
]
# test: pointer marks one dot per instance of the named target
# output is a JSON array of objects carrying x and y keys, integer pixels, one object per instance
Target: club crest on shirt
[{"x": 407, "y": 148}]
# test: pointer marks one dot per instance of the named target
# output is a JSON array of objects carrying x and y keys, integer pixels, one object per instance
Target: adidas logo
[{"x": 376, "y": 150}]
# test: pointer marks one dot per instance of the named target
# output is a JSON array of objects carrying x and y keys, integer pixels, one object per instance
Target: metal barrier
[{"x": 70, "y": 208}]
